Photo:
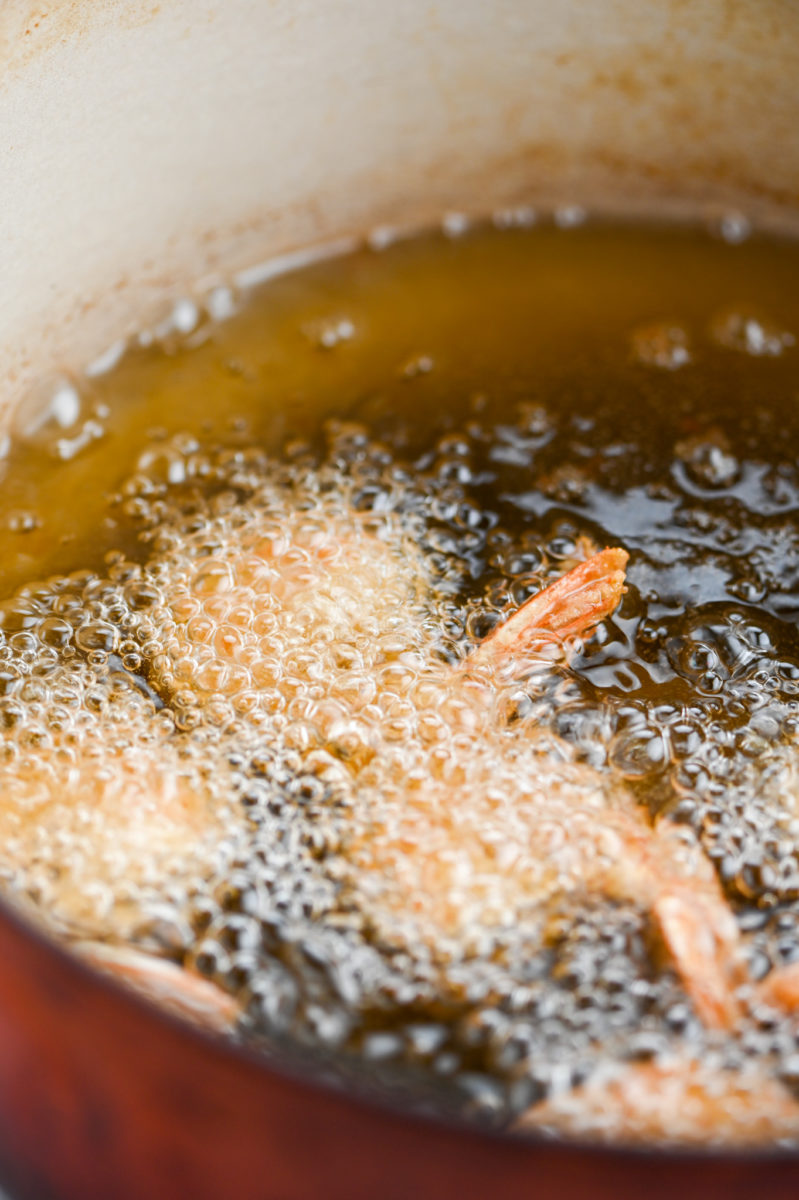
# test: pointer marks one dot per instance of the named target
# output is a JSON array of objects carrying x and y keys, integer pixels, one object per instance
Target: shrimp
[
  {"x": 535, "y": 829},
  {"x": 674, "y": 1101},
  {"x": 106, "y": 815},
  {"x": 290, "y": 595},
  {"x": 96, "y": 827}
]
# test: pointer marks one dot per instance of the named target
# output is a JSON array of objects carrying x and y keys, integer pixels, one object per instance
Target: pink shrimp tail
[{"x": 570, "y": 607}]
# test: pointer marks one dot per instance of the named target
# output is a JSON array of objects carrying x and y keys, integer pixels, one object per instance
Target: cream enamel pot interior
[{"x": 148, "y": 148}]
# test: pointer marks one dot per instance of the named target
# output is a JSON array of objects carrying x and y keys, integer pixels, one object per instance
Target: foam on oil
[{"x": 242, "y": 563}]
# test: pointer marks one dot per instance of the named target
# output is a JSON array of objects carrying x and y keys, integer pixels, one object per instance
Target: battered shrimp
[
  {"x": 522, "y": 828},
  {"x": 75, "y": 822},
  {"x": 676, "y": 1101},
  {"x": 290, "y": 596},
  {"x": 107, "y": 816}
]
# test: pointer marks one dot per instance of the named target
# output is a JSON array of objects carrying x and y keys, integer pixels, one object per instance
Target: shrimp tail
[
  {"x": 180, "y": 991},
  {"x": 570, "y": 607}
]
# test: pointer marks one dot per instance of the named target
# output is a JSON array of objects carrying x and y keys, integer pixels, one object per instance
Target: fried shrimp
[
  {"x": 677, "y": 1100},
  {"x": 286, "y": 596},
  {"x": 506, "y": 844},
  {"x": 75, "y": 821}
]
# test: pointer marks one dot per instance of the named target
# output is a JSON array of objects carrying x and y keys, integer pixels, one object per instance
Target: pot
[{"x": 146, "y": 149}]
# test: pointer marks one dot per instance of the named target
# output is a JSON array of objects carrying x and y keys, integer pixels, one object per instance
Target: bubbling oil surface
[{"x": 249, "y": 554}]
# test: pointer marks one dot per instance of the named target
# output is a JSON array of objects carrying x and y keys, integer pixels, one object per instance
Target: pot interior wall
[{"x": 147, "y": 148}]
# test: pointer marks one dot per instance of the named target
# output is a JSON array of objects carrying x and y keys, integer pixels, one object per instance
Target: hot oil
[{"x": 437, "y": 426}]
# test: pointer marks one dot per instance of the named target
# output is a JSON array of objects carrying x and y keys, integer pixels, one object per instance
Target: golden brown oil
[
  {"x": 500, "y": 318},
  {"x": 486, "y": 400}
]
